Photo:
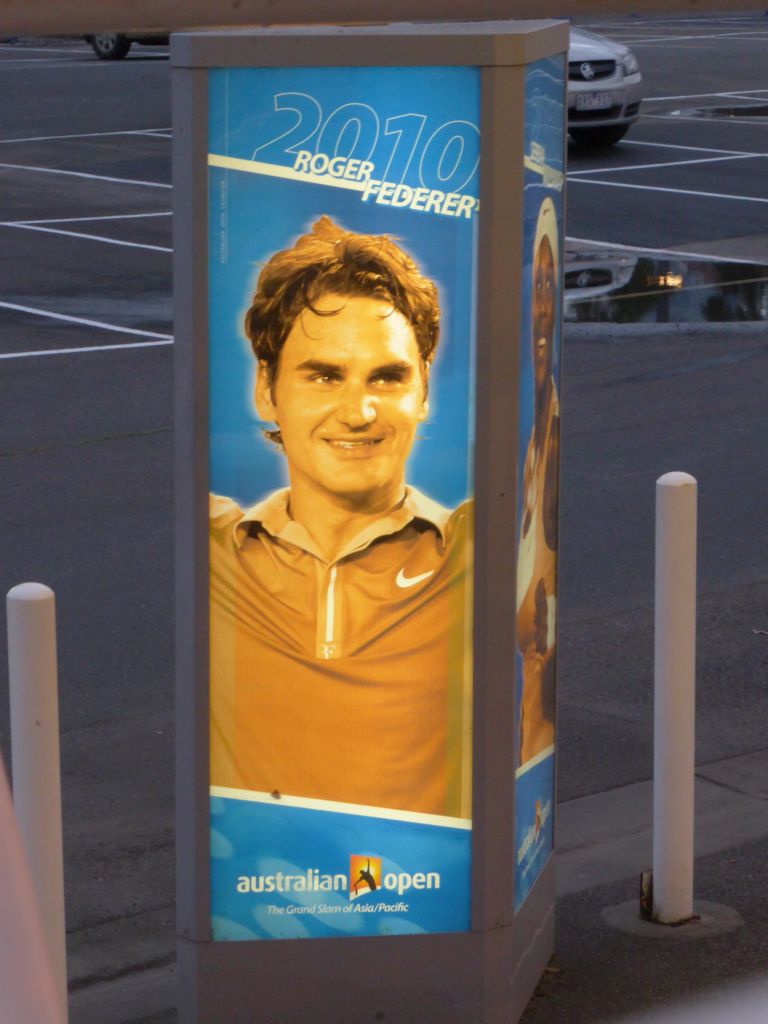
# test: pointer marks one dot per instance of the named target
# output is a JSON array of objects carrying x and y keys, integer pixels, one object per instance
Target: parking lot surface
[{"x": 86, "y": 341}]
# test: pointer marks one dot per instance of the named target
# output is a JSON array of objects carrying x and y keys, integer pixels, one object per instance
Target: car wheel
[
  {"x": 598, "y": 137},
  {"x": 110, "y": 46}
]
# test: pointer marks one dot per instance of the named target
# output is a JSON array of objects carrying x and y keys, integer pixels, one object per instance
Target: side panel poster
[
  {"x": 343, "y": 218},
  {"x": 538, "y": 466}
]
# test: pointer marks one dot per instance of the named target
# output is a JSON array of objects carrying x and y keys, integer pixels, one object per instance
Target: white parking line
[
  {"x": 78, "y": 220},
  {"x": 651, "y": 22},
  {"x": 154, "y": 132},
  {"x": 116, "y": 328},
  {"x": 85, "y": 348},
  {"x": 14, "y": 64},
  {"x": 634, "y": 42},
  {"x": 696, "y": 96},
  {"x": 704, "y": 286},
  {"x": 675, "y": 191},
  {"x": 82, "y": 174},
  {"x": 44, "y": 49},
  {"x": 36, "y": 61},
  {"x": 667, "y": 163},
  {"x": 691, "y": 149},
  {"x": 87, "y": 237},
  {"x": 660, "y": 252},
  {"x": 20, "y": 53},
  {"x": 725, "y": 119}
]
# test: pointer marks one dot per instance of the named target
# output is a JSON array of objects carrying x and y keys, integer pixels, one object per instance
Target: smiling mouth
[{"x": 352, "y": 444}]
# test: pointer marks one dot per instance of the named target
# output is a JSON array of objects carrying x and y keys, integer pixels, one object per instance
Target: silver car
[{"x": 604, "y": 89}]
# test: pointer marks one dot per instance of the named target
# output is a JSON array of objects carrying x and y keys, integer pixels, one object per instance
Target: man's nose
[{"x": 356, "y": 408}]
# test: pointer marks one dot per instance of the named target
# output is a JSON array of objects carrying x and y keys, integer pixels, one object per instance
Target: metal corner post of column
[{"x": 378, "y": 877}]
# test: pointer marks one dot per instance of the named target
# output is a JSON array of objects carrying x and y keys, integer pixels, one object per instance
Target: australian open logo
[
  {"x": 364, "y": 875},
  {"x": 535, "y": 835}
]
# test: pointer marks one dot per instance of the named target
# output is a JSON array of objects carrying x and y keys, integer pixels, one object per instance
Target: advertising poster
[
  {"x": 343, "y": 218},
  {"x": 538, "y": 468}
]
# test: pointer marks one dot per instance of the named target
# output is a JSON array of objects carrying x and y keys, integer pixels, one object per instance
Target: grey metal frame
[{"x": 488, "y": 973}]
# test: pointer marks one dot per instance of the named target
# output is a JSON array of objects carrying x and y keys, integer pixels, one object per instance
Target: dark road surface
[{"x": 86, "y": 437}]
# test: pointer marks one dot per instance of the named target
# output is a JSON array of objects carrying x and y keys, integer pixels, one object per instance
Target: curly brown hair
[{"x": 332, "y": 260}]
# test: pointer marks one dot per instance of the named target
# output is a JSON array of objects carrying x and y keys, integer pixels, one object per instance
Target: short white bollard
[
  {"x": 35, "y": 759},
  {"x": 674, "y": 698}
]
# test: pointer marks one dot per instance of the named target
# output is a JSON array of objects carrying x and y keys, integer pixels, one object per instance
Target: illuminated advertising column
[{"x": 365, "y": 679}]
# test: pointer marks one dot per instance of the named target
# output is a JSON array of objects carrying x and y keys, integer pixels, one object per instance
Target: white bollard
[
  {"x": 35, "y": 759},
  {"x": 674, "y": 698}
]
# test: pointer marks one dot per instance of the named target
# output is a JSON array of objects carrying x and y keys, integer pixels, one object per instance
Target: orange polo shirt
[{"x": 349, "y": 680}]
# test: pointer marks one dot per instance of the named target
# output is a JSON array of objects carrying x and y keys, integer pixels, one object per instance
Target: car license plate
[{"x": 594, "y": 100}]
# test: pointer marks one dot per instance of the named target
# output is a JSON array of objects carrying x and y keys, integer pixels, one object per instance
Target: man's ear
[{"x": 262, "y": 394}]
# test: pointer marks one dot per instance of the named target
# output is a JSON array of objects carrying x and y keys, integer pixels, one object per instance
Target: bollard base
[
  {"x": 709, "y": 919},
  {"x": 646, "y": 904}
]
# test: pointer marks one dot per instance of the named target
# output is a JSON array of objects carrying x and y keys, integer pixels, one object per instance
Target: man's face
[
  {"x": 348, "y": 395},
  {"x": 543, "y": 312}
]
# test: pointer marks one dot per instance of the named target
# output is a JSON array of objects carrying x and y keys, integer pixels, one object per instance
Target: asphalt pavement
[{"x": 85, "y": 421}]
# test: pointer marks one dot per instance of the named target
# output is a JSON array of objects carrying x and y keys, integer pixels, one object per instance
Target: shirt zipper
[{"x": 329, "y": 646}]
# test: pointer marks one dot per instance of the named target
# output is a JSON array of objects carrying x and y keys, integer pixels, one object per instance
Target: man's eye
[
  {"x": 324, "y": 378},
  {"x": 389, "y": 378}
]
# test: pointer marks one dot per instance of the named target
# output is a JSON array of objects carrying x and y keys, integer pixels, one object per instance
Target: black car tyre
[
  {"x": 608, "y": 135},
  {"x": 110, "y": 46}
]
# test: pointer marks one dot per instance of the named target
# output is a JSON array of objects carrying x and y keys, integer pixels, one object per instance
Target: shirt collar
[{"x": 272, "y": 514}]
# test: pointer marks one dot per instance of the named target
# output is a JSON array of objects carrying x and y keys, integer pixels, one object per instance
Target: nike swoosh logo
[{"x": 411, "y": 581}]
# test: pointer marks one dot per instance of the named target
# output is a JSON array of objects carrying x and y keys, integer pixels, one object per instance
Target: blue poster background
[
  {"x": 543, "y": 177},
  {"x": 251, "y": 216},
  {"x": 416, "y": 127}
]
